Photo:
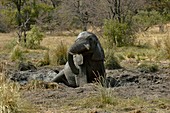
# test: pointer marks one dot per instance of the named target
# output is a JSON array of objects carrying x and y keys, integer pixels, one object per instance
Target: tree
[
  {"x": 27, "y": 13},
  {"x": 145, "y": 19},
  {"x": 122, "y": 11},
  {"x": 119, "y": 26},
  {"x": 18, "y": 4},
  {"x": 163, "y": 7},
  {"x": 78, "y": 13}
]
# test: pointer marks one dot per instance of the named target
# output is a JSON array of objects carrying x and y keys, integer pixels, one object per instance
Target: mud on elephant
[{"x": 85, "y": 61}]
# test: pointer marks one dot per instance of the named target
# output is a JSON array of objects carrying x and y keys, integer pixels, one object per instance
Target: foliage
[
  {"x": 21, "y": 10},
  {"x": 111, "y": 61},
  {"x": 162, "y": 6},
  {"x": 145, "y": 19},
  {"x": 17, "y": 53},
  {"x": 59, "y": 55},
  {"x": 10, "y": 98},
  {"x": 73, "y": 14},
  {"x": 7, "y": 17},
  {"x": 117, "y": 33},
  {"x": 34, "y": 37}
]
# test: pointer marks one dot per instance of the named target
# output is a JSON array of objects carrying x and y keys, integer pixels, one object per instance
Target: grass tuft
[
  {"x": 59, "y": 55},
  {"x": 17, "y": 53}
]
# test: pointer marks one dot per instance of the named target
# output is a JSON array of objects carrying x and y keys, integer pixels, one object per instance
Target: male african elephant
[{"x": 85, "y": 61}]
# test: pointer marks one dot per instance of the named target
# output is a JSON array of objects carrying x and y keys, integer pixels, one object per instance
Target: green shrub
[
  {"x": 59, "y": 55},
  {"x": 118, "y": 34},
  {"x": 17, "y": 53},
  {"x": 148, "y": 67},
  {"x": 111, "y": 61},
  {"x": 10, "y": 98},
  {"x": 34, "y": 37}
]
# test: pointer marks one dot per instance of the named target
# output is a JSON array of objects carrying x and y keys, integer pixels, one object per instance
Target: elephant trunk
[
  {"x": 73, "y": 67},
  {"x": 79, "y": 47}
]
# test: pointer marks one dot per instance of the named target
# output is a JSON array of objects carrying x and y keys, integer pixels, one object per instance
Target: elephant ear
[{"x": 98, "y": 53}]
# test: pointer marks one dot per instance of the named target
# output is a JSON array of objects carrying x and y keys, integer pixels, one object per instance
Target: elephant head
[{"x": 87, "y": 44}]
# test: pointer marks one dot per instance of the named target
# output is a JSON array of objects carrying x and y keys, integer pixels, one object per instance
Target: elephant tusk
[
  {"x": 71, "y": 53},
  {"x": 87, "y": 46}
]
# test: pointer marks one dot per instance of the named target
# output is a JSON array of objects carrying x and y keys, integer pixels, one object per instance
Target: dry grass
[
  {"x": 153, "y": 36},
  {"x": 10, "y": 98},
  {"x": 5, "y": 38},
  {"x": 59, "y": 54},
  {"x": 51, "y": 42}
]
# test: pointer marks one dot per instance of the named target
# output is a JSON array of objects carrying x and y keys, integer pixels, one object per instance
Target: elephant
[{"x": 85, "y": 61}]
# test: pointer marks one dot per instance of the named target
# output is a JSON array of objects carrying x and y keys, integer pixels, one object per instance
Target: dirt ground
[{"x": 133, "y": 92}]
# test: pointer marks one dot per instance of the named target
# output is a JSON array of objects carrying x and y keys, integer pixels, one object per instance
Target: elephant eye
[{"x": 90, "y": 39}]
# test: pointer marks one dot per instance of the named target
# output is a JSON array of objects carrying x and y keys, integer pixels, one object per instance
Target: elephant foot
[{"x": 61, "y": 78}]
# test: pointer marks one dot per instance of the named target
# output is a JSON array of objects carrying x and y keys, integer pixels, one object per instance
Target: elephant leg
[
  {"x": 60, "y": 78},
  {"x": 70, "y": 76}
]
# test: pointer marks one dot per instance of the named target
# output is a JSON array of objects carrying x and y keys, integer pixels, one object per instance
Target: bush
[
  {"x": 34, "y": 37},
  {"x": 59, "y": 55},
  {"x": 10, "y": 98},
  {"x": 111, "y": 61},
  {"x": 117, "y": 33},
  {"x": 17, "y": 53}
]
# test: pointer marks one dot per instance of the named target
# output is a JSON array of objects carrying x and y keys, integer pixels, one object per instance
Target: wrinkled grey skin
[{"x": 85, "y": 61}]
